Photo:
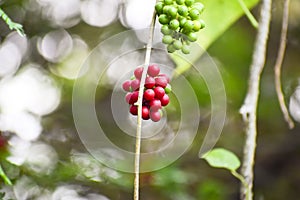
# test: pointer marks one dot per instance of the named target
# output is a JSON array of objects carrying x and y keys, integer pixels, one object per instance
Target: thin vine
[
  {"x": 4, "y": 177},
  {"x": 278, "y": 64},
  {"x": 139, "y": 116},
  {"x": 12, "y": 25},
  {"x": 249, "y": 15}
]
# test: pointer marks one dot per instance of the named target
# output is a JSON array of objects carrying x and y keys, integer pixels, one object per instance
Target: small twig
[
  {"x": 248, "y": 14},
  {"x": 249, "y": 108},
  {"x": 239, "y": 176},
  {"x": 4, "y": 177},
  {"x": 278, "y": 64},
  {"x": 139, "y": 116},
  {"x": 12, "y": 25}
]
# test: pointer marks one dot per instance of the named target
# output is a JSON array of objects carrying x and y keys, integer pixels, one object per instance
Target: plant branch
[
  {"x": 278, "y": 64},
  {"x": 4, "y": 177},
  {"x": 249, "y": 108},
  {"x": 12, "y": 25},
  {"x": 139, "y": 116},
  {"x": 248, "y": 14},
  {"x": 239, "y": 176}
]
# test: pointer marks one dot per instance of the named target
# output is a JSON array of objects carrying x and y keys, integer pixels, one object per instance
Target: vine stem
[
  {"x": 12, "y": 25},
  {"x": 241, "y": 178},
  {"x": 139, "y": 115},
  {"x": 278, "y": 64},
  {"x": 4, "y": 177},
  {"x": 249, "y": 108},
  {"x": 248, "y": 14}
]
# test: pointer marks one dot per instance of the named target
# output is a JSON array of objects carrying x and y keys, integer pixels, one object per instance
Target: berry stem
[
  {"x": 4, "y": 177},
  {"x": 251, "y": 18},
  {"x": 139, "y": 104}
]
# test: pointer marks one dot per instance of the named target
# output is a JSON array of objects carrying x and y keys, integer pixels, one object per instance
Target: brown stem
[
  {"x": 249, "y": 108},
  {"x": 139, "y": 116},
  {"x": 278, "y": 64}
]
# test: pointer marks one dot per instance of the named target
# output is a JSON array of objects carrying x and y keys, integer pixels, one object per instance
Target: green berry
[
  {"x": 192, "y": 36},
  {"x": 168, "y": 89},
  {"x": 188, "y": 26},
  {"x": 177, "y": 44},
  {"x": 182, "y": 22},
  {"x": 172, "y": 12},
  {"x": 180, "y": 2},
  {"x": 183, "y": 10},
  {"x": 174, "y": 24},
  {"x": 168, "y": 2},
  {"x": 189, "y": 2},
  {"x": 166, "y": 9},
  {"x": 171, "y": 48},
  {"x": 197, "y": 25},
  {"x": 185, "y": 49},
  {"x": 167, "y": 39},
  {"x": 166, "y": 30},
  {"x": 199, "y": 6},
  {"x": 202, "y": 23},
  {"x": 159, "y": 7},
  {"x": 194, "y": 13},
  {"x": 163, "y": 19},
  {"x": 187, "y": 42}
]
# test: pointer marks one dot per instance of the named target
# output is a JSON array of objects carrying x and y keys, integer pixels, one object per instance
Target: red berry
[
  {"x": 149, "y": 82},
  {"x": 135, "y": 84},
  {"x": 161, "y": 81},
  {"x": 149, "y": 94},
  {"x": 155, "y": 104},
  {"x": 3, "y": 142},
  {"x": 133, "y": 110},
  {"x": 127, "y": 85},
  {"x": 134, "y": 97},
  {"x": 166, "y": 76},
  {"x": 145, "y": 113},
  {"x": 138, "y": 72},
  {"x": 159, "y": 92},
  {"x": 153, "y": 70},
  {"x": 165, "y": 100},
  {"x": 128, "y": 96},
  {"x": 155, "y": 115}
]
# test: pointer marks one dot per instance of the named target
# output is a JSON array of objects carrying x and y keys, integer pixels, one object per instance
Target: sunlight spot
[
  {"x": 55, "y": 45},
  {"x": 31, "y": 90},
  {"x": 71, "y": 66},
  {"x": 25, "y": 125},
  {"x": 38, "y": 157},
  {"x": 10, "y": 59},
  {"x": 294, "y": 106},
  {"x": 99, "y": 12},
  {"x": 139, "y": 14}
]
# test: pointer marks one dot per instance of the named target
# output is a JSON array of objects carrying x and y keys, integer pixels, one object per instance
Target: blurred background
[{"x": 41, "y": 151}]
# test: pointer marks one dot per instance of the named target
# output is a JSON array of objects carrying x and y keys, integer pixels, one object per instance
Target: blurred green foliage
[{"x": 189, "y": 178}]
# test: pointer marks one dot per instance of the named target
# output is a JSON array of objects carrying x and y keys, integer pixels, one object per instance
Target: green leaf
[
  {"x": 222, "y": 158},
  {"x": 218, "y": 15}
]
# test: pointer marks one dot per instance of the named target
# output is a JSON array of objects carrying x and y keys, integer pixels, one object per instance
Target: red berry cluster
[{"x": 155, "y": 96}]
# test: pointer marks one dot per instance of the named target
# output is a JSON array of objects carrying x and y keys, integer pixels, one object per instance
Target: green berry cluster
[{"x": 180, "y": 21}]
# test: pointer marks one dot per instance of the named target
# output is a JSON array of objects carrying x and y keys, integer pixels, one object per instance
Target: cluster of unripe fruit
[
  {"x": 156, "y": 90},
  {"x": 181, "y": 22}
]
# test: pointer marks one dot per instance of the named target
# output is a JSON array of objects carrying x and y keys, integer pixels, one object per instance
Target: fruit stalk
[{"x": 139, "y": 104}]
